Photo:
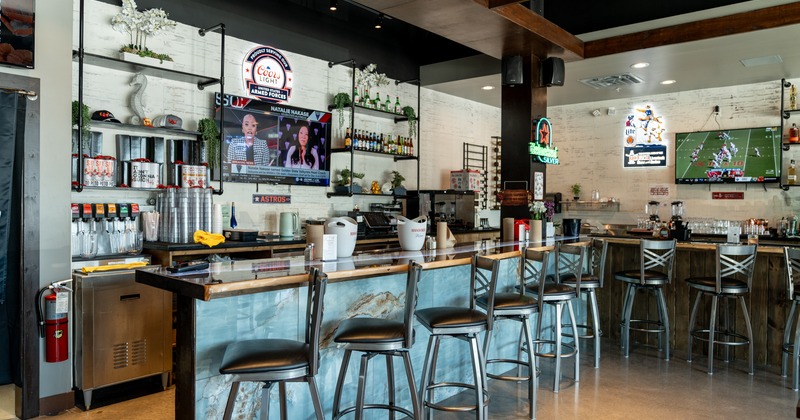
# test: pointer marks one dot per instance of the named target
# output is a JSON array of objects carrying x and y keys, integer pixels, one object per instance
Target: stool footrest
[
  {"x": 504, "y": 377},
  {"x": 738, "y": 339},
  {"x": 396, "y": 408},
  {"x": 454, "y": 408},
  {"x": 589, "y": 333},
  {"x": 633, "y": 322},
  {"x": 571, "y": 349}
]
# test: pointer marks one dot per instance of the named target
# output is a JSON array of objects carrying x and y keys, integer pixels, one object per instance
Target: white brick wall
[
  {"x": 590, "y": 151},
  {"x": 446, "y": 121}
]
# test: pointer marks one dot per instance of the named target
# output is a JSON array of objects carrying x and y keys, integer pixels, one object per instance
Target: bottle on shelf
[
  {"x": 357, "y": 139},
  {"x": 387, "y": 106},
  {"x": 794, "y": 134},
  {"x": 400, "y": 145},
  {"x": 376, "y": 103},
  {"x": 347, "y": 139},
  {"x": 367, "y": 101},
  {"x": 233, "y": 215},
  {"x": 411, "y": 146},
  {"x": 397, "y": 108},
  {"x": 791, "y": 174},
  {"x": 356, "y": 96}
]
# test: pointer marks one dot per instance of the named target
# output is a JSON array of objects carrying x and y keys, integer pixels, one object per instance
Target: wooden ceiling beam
[
  {"x": 770, "y": 17},
  {"x": 499, "y": 3}
]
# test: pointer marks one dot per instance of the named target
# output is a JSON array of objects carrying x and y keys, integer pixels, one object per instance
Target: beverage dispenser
[{"x": 87, "y": 231}]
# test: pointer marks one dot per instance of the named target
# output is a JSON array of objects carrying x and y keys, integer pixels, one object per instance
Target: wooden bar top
[{"x": 234, "y": 278}]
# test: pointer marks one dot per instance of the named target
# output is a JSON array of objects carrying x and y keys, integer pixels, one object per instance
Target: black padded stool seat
[
  {"x": 380, "y": 337},
  {"x": 267, "y": 355},
  {"x": 728, "y": 285},
  {"x": 279, "y": 360},
  {"x": 369, "y": 330},
  {"x": 451, "y": 317},
  {"x": 509, "y": 301},
  {"x": 651, "y": 277}
]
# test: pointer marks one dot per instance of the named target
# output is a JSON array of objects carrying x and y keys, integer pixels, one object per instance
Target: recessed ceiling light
[
  {"x": 761, "y": 61},
  {"x": 487, "y": 87},
  {"x": 640, "y": 65},
  {"x": 667, "y": 82}
]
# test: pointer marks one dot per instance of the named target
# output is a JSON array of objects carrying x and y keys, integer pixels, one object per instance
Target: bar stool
[
  {"x": 656, "y": 260},
  {"x": 733, "y": 279},
  {"x": 569, "y": 262},
  {"x": 463, "y": 323},
  {"x": 515, "y": 306},
  {"x": 374, "y": 337},
  {"x": 792, "y": 258},
  {"x": 274, "y": 360},
  {"x": 596, "y": 251}
]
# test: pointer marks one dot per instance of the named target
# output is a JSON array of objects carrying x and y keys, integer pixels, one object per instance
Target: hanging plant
[
  {"x": 408, "y": 111},
  {"x": 341, "y": 100},
  {"x": 210, "y": 135}
]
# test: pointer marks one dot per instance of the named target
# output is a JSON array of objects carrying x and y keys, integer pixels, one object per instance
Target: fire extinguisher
[{"x": 53, "y": 325}]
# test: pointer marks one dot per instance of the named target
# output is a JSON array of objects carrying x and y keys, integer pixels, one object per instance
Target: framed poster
[{"x": 538, "y": 185}]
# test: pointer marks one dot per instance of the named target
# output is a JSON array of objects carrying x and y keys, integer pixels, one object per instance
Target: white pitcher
[
  {"x": 411, "y": 233},
  {"x": 346, "y": 231}
]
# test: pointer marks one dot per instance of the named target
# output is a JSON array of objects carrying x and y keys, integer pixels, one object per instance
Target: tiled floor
[{"x": 641, "y": 387}]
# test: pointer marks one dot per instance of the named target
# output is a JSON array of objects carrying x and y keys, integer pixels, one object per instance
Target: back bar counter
[{"x": 266, "y": 298}]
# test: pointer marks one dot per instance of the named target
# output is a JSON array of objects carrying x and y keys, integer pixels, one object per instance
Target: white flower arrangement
[
  {"x": 139, "y": 25},
  {"x": 369, "y": 77}
]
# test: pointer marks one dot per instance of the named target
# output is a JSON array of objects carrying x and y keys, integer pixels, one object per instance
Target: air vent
[{"x": 614, "y": 80}]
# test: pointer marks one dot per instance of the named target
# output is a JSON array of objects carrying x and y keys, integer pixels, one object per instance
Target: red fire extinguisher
[{"x": 54, "y": 325}]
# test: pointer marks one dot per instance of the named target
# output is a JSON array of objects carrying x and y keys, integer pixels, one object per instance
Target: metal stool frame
[{"x": 792, "y": 260}]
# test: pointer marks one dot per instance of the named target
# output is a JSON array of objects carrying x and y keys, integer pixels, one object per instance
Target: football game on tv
[
  {"x": 746, "y": 155},
  {"x": 274, "y": 143}
]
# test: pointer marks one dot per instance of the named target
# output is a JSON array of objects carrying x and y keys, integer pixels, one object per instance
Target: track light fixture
[
  {"x": 334, "y": 5},
  {"x": 379, "y": 21}
]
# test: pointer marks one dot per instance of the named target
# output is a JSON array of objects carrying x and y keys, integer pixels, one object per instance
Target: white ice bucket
[
  {"x": 411, "y": 233},
  {"x": 346, "y": 231}
]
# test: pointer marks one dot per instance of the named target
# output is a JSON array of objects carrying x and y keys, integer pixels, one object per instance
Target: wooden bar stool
[
  {"x": 463, "y": 323},
  {"x": 656, "y": 261},
  {"x": 376, "y": 337},
  {"x": 791, "y": 257},
  {"x": 596, "y": 251},
  {"x": 515, "y": 306},
  {"x": 272, "y": 360},
  {"x": 569, "y": 262},
  {"x": 733, "y": 279}
]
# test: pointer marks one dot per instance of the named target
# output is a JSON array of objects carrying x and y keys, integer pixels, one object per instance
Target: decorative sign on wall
[
  {"x": 727, "y": 196},
  {"x": 659, "y": 191},
  {"x": 267, "y": 74},
  {"x": 271, "y": 199},
  {"x": 541, "y": 148},
  {"x": 644, "y": 139}
]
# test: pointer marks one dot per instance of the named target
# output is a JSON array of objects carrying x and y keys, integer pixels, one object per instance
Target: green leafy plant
[
  {"x": 397, "y": 179},
  {"x": 576, "y": 190},
  {"x": 408, "y": 111},
  {"x": 209, "y": 132},
  {"x": 345, "y": 175},
  {"x": 83, "y": 114},
  {"x": 130, "y": 48},
  {"x": 341, "y": 100}
]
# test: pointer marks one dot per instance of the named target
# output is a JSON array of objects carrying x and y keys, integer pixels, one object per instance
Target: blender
[
  {"x": 652, "y": 212},
  {"x": 678, "y": 229}
]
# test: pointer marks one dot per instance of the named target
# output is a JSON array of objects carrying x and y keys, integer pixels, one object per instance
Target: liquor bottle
[
  {"x": 411, "y": 146},
  {"x": 347, "y": 139},
  {"x": 376, "y": 103},
  {"x": 387, "y": 106},
  {"x": 397, "y": 108},
  {"x": 357, "y": 140},
  {"x": 233, "y": 215},
  {"x": 400, "y": 145},
  {"x": 356, "y": 96},
  {"x": 791, "y": 174},
  {"x": 794, "y": 134},
  {"x": 382, "y": 144},
  {"x": 367, "y": 101}
]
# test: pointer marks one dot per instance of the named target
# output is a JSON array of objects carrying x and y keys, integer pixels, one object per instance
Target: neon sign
[{"x": 541, "y": 148}]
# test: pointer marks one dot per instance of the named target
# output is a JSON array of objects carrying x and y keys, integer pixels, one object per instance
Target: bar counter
[
  {"x": 250, "y": 299},
  {"x": 766, "y": 303}
]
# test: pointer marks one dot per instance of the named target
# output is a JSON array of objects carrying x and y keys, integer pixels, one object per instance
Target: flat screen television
[
  {"x": 273, "y": 143},
  {"x": 744, "y": 155},
  {"x": 16, "y": 33}
]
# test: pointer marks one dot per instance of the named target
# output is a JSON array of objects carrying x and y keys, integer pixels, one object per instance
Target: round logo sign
[{"x": 267, "y": 74}]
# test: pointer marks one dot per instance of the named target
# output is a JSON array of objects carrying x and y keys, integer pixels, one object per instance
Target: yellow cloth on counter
[
  {"x": 206, "y": 238},
  {"x": 110, "y": 267}
]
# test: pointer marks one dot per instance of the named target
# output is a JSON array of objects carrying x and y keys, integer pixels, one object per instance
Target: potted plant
[
  {"x": 576, "y": 191},
  {"x": 408, "y": 111},
  {"x": 341, "y": 100},
  {"x": 83, "y": 114},
  {"x": 343, "y": 183},
  {"x": 209, "y": 132},
  {"x": 397, "y": 180},
  {"x": 139, "y": 25}
]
